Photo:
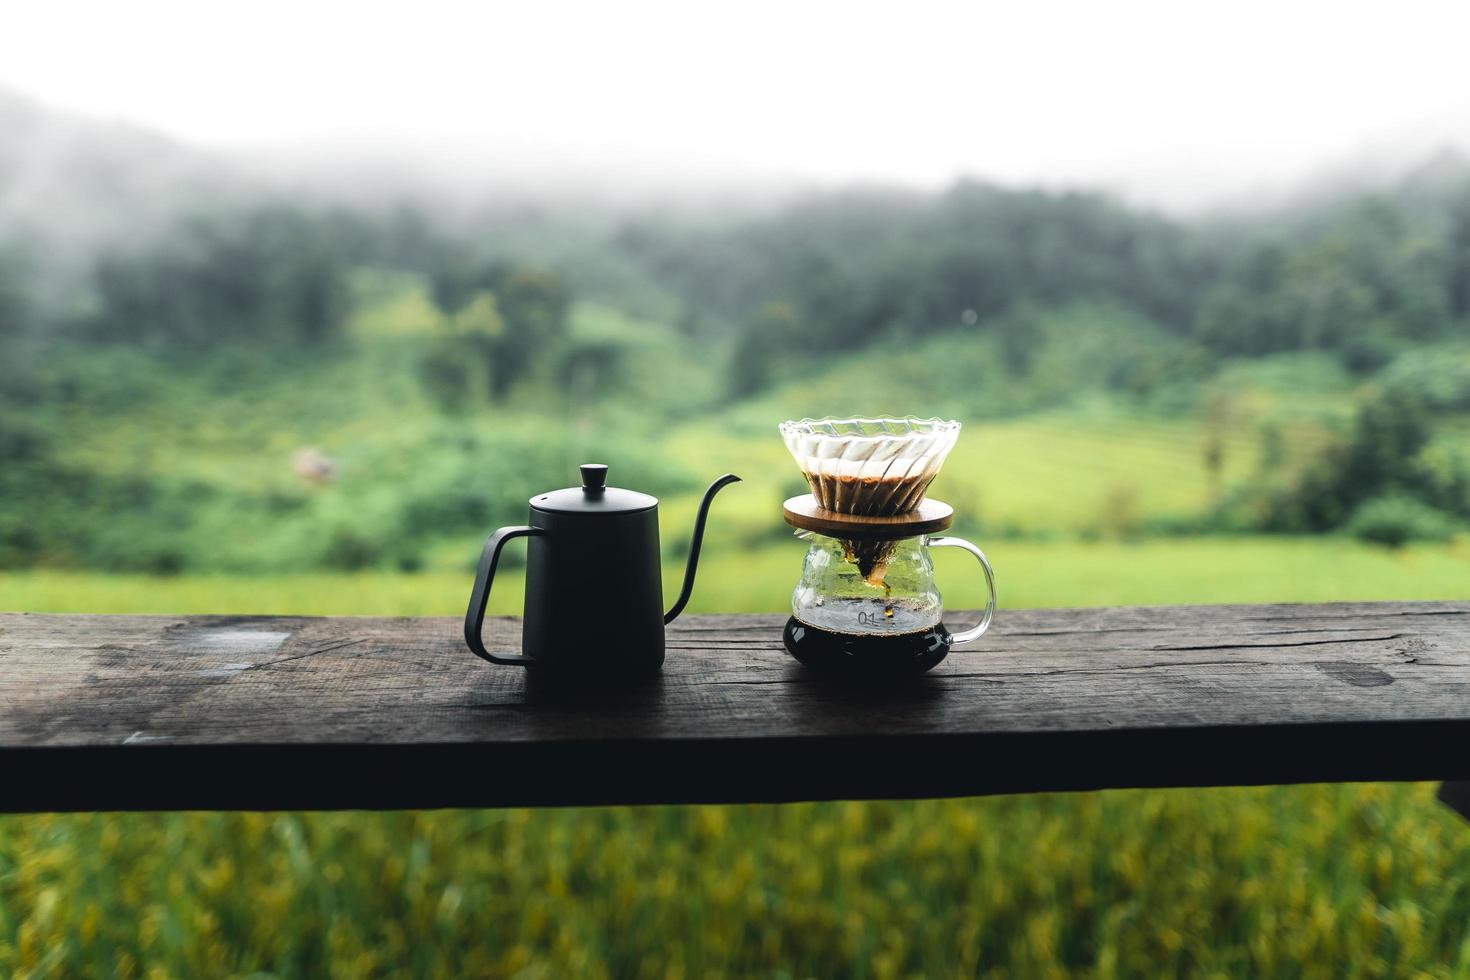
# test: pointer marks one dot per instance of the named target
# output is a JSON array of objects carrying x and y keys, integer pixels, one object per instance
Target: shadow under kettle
[{"x": 594, "y": 583}]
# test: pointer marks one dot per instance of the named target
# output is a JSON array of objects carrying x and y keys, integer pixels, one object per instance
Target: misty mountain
[
  {"x": 69, "y": 185},
  {"x": 73, "y": 190}
]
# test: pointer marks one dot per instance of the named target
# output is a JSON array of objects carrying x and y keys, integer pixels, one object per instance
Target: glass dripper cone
[{"x": 870, "y": 467}]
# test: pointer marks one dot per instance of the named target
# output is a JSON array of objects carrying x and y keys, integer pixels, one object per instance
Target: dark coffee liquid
[
  {"x": 874, "y": 496},
  {"x": 862, "y": 654}
]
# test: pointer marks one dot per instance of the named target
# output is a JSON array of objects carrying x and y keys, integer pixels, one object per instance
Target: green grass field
[
  {"x": 759, "y": 579},
  {"x": 1320, "y": 881}
]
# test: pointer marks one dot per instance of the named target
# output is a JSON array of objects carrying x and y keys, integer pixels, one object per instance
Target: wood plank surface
[{"x": 157, "y": 712}]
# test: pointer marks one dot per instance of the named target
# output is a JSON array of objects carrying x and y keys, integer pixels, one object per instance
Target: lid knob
[{"x": 594, "y": 478}]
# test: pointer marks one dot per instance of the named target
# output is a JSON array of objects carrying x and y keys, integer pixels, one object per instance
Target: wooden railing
[{"x": 158, "y": 712}]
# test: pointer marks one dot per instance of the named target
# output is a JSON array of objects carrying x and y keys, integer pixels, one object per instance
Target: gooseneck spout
[{"x": 694, "y": 544}]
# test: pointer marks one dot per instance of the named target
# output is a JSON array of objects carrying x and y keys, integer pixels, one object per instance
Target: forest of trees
[
  {"x": 1369, "y": 279},
  {"x": 1363, "y": 277}
]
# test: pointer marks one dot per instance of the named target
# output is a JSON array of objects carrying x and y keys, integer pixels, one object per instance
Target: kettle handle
[{"x": 474, "y": 617}]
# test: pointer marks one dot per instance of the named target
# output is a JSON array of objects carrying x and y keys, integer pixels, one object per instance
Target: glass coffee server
[{"x": 866, "y": 603}]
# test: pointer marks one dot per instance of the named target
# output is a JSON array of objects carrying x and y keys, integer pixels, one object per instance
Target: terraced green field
[{"x": 1089, "y": 463}]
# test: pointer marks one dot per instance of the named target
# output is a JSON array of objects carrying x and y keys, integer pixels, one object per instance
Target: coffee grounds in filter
[{"x": 870, "y": 496}]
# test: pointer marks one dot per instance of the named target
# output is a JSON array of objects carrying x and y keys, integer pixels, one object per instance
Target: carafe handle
[
  {"x": 474, "y": 617},
  {"x": 965, "y": 636}
]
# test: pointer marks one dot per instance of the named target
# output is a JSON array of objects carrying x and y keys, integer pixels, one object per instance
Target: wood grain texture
[{"x": 151, "y": 712}]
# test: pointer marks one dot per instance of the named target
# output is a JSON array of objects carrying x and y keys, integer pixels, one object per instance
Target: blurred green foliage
[
  {"x": 1437, "y": 374},
  {"x": 442, "y": 372},
  {"x": 1397, "y": 520},
  {"x": 273, "y": 275},
  {"x": 1383, "y": 456},
  {"x": 1358, "y": 881}
]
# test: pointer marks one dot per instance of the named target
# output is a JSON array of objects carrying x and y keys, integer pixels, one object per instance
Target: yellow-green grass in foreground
[
  {"x": 1321, "y": 881},
  {"x": 1030, "y": 574}
]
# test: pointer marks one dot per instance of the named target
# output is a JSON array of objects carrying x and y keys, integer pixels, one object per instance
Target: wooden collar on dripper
[{"x": 930, "y": 516}]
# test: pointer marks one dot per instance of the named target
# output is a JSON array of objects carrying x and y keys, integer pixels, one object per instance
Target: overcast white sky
[{"x": 1162, "y": 99}]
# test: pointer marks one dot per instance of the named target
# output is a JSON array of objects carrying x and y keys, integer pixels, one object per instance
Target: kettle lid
[{"x": 593, "y": 496}]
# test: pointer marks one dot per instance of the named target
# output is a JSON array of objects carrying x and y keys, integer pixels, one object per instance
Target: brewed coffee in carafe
[{"x": 841, "y": 618}]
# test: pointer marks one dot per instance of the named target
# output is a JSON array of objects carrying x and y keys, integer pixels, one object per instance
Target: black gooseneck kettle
[{"x": 594, "y": 588}]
